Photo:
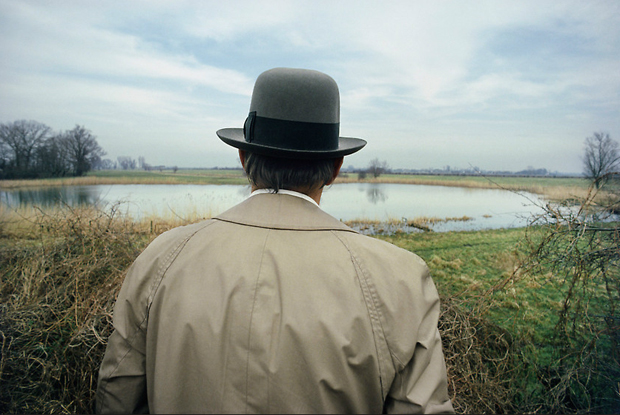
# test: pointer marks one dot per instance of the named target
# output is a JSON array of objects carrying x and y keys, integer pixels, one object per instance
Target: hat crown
[{"x": 301, "y": 95}]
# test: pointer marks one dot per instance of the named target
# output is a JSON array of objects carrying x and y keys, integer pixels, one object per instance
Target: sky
[{"x": 496, "y": 85}]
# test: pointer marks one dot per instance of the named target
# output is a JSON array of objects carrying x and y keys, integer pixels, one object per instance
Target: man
[{"x": 275, "y": 306}]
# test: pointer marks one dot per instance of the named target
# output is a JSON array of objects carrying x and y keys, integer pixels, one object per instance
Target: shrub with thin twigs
[
  {"x": 581, "y": 250},
  {"x": 481, "y": 359}
]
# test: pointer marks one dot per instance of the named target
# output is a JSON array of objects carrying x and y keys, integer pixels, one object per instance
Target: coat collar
[
  {"x": 279, "y": 211},
  {"x": 285, "y": 192}
]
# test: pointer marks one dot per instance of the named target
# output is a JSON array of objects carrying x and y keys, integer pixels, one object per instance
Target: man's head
[
  {"x": 291, "y": 137},
  {"x": 303, "y": 175}
]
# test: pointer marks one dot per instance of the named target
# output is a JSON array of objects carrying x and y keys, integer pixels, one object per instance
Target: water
[{"x": 487, "y": 208}]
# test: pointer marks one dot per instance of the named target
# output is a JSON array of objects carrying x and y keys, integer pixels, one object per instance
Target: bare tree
[
  {"x": 601, "y": 158},
  {"x": 126, "y": 162},
  {"x": 30, "y": 149},
  {"x": 142, "y": 164},
  {"x": 377, "y": 167},
  {"x": 83, "y": 149},
  {"x": 5, "y": 156},
  {"x": 52, "y": 157},
  {"x": 22, "y": 138},
  {"x": 107, "y": 164}
]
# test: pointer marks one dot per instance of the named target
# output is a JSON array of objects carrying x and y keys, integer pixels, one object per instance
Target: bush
[
  {"x": 580, "y": 249},
  {"x": 481, "y": 358},
  {"x": 57, "y": 296}
]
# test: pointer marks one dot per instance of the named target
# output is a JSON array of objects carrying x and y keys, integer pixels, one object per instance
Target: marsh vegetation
[{"x": 529, "y": 315}]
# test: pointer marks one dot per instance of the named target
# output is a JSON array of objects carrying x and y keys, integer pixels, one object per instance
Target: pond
[{"x": 486, "y": 208}]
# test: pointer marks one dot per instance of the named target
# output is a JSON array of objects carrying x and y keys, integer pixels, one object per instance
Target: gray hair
[{"x": 266, "y": 172}]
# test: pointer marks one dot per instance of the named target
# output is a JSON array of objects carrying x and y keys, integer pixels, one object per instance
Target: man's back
[{"x": 275, "y": 306}]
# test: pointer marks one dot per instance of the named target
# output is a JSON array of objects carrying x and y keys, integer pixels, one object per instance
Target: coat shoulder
[
  {"x": 403, "y": 292},
  {"x": 173, "y": 237},
  {"x": 383, "y": 252}
]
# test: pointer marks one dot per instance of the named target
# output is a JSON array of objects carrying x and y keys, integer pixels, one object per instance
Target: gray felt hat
[{"x": 294, "y": 113}]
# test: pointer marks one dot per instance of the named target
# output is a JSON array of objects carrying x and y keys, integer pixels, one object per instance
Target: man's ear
[
  {"x": 242, "y": 158},
  {"x": 337, "y": 164}
]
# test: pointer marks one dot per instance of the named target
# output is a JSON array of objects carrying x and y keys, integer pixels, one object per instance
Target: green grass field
[{"x": 483, "y": 266}]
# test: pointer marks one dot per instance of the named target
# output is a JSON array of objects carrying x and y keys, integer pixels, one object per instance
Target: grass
[
  {"x": 423, "y": 223},
  {"x": 106, "y": 177},
  {"x": 491, "y": 275},
  {"x": 61, "y": 270},
  {"x": 483, "y": 267}
]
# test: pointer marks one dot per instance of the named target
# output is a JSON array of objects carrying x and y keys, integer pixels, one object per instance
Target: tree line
[{"x": 30, "y": 149}]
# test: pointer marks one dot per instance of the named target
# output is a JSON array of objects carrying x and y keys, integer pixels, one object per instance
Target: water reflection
[
  {"x": 376, "y": 202},
  {"x": 51, "y": 196},
  {"x": 376, "y": 194}
]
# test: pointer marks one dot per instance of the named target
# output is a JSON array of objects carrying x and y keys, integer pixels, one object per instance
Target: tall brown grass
[
  {"x": 61, "y": 270},
  {"x": 110, "y": 177},
  {"x": 75, "y": 181}
]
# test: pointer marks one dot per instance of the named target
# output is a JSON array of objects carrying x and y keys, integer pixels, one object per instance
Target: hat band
[{"x": 291, "y": 135}]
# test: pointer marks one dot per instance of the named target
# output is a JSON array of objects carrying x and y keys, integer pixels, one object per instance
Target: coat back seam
[{"x": 372, "y": 308}]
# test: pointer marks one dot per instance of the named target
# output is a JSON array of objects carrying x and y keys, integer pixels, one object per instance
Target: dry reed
[
  {"x": 134, "y": 177},
  {"x": 390, "y": 226},
  {"x": 551, "y": 191}
]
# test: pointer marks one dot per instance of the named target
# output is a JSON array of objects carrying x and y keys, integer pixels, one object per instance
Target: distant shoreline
[{"x": 554, "y": 188}]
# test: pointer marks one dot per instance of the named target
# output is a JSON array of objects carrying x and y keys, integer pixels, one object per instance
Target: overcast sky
[{"x": 501, "y": 85}]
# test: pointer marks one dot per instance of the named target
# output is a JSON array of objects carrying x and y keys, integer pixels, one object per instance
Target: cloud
[
  {"x": 451, "y": 72},
  {"x": 83, "y": 49}
]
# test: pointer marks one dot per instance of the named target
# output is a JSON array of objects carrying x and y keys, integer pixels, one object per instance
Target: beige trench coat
[{"x": 274, "y": 306}]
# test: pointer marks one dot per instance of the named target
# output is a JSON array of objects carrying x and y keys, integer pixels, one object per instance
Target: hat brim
[{"x": 234, "y": 137}]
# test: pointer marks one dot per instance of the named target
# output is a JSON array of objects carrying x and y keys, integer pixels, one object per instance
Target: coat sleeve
[
  {"x": 421, "y": 387},
  {"x": 405, "y": 299},
  {"x": 121, "y": 386},
  {"x": 122, "y": 379}
]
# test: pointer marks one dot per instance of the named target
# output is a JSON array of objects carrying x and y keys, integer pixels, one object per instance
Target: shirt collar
[{"x": 285, "y": 192}]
